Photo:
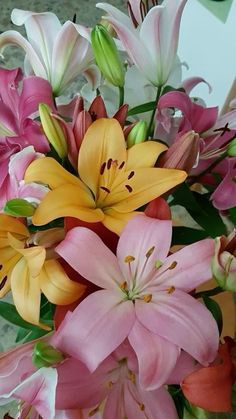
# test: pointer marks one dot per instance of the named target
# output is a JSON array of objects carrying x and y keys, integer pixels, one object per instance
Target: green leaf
[
  {"x": 186, "y": 235},
  {"x": 26, "y": 335},
  {"x": 201, "y": 210},
  {"x": 9, "y": 313},
  {"x": 19, "y": 208},
  {"x": 215, "y": 310},
  {"x": 145, "y": 107}
]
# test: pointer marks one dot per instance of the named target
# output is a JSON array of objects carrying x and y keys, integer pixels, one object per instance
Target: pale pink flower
[
  {"x": 224, "y": 197},
  {"x": 153, "y": 45},
  {"x": 144, "y": 297},
  {"x": 14, "y": 185},
  {"x": 55, "y": 52}
]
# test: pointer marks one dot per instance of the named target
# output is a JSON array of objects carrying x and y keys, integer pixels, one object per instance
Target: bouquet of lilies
[{"x": 104, "y": 275}]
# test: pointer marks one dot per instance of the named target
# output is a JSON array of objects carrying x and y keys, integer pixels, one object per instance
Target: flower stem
[
  {"x": 159, "y": 89},
  {"x": 121, "y": 95}
]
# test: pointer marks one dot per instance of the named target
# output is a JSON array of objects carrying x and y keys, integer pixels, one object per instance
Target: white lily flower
[
  {"x": 55, "y": 52},
  {"x": 152, "y": 46}
]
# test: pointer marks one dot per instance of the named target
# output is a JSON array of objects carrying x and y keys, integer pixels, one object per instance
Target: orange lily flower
[
  {"x": 29, "y": 267},
  {"x": 113, "y": 181}
]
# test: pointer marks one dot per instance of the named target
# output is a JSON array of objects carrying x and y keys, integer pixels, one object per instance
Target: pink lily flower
[
  {"x": 17, "y": 129},
  {"x": 20, "y": 380},
  {"x": 55, "y": 52},
  {"x": 14, "y": 185},
  {"x": 144, "y": 297},
  {"x": 224, "y": 197},
  {"x": 215, "y": 131},
  {"x": 113, "y": 390},
  {"x": 153, "y": 45}
]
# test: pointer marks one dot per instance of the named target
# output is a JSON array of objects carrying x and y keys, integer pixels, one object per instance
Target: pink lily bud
[
  {"x": 182, "y": 154},
  {"x": 81, "y": 124},
  {"x": 224, "y": 261}
]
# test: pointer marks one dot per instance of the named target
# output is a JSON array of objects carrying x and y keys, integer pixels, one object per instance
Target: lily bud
[
  {"x": 45, "y": 355},
  {"x": 182, "y": 154},
  {"x": 53, "y": 130},
  {"x": 19, "y": 208},
  {"x": 107, "y": 56},
  {"x": 138, "y": 134},
  {"x": 231, "y": 150},
  {"x": 224, "y": 261}
]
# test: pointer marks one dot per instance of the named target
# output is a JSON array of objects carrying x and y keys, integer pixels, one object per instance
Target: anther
[
  {"x": 128, "y": 187},
  {"x": 110, "y": 384},
  {"x": 173, "y": 265},
  {"x": 93, "y": 412},
  {"x": 129, "y": 259},
  {"x": 121, "y": 165},
  {"x": 123, "y": 285},
  {"x": 102, "y": 168},
  {"x": 170, "y": 290},
  {"x": 131, "y": 175},
  {"x": 105, "y": 189},
  {"x": 147, "y": 298},
  {"x": 3, "y": 282},
  {"x": 141, "y": 406},
  {"x": 109, "y": 163},
  {"x": 131, "y": 377},
  {"x": 150, "y": 252}
]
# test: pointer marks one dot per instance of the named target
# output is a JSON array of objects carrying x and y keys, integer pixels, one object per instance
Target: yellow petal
[
  {"x": 116, "y": 221},
  {"x": 12, "y": 225},
  {"x": 57, "y": 286},
  {"x": 35, "y": 258},
  {"x": 67, "y": 201},
  {"x": 103, "y": 140},
  {"x": 25, "y": 292},
  {"x": 145, "y": 185},
  {"x": 144, "y": 154},
  {"x": 48, "y": 171}
]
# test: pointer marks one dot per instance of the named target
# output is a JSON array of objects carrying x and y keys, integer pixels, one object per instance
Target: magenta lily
[
  {"x": 17, "y": 129},
  {"x": 153, "y": 45},
  {"x": 55, "y": 52},
  {"x": 144, "y": 297}
]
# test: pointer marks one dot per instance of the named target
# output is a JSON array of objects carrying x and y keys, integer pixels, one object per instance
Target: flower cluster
[{"x": 103, "y": 275}]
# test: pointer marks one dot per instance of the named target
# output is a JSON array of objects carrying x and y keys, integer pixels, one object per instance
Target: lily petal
[
  {"x": 182, "y": 320},
  {"x": 103, "y": 140},
  {"x": 92, "y": 326},
  {"x": 142, "y": 235},
  {"x": 146, "y": 184},
  {"x": 116, "y": 221},
  {"x": 47, "y": 170},
  {"x": 193, "y": 266},
  {"x": 103, "y": 269},
  {"x": 156, "y": 356},
  {"x": 144, "y": 154},
  {"x": 57, "y": 286},
  {"x": 67, "y": 201}
]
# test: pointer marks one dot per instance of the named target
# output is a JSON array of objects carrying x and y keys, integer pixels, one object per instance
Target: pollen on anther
[
  {"x": 171, "y": 290},
  {"x": 105, "y": 189},
  {"x": 147, "y": 298},
  {"x": 131, "y": 175},
  {"x": 141, "y": 406},
  {"x": 123, "y": 285},
  {"x": 121, "y": 165},
  {"x": 173, "y": 265},
  {"x": 131, "y": 377},
  {"x": 129, "y": 259},
  {"x": 102, "y": 168},
  {"x": 150, "y": 252},
  {"x": 128, "y": 187}
]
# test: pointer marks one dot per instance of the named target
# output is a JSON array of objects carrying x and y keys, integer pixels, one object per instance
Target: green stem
[
  {"x": 159, "y": 89},
  {"x": 208, "y": 169},
  {"x": 121, "y": 95},
  {"x": 209, "y": 293}
]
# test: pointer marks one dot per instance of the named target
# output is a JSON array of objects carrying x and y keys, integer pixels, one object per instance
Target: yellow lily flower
[
  {"x": 113, "y": 181},
  {"x": 27, "y": 269}
]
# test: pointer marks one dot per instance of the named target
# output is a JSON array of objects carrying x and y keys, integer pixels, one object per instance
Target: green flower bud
[
  {"x": 19, "y": 208},
  {"x": 138, "y": 134},
  {"x": 53, "y": 130},
  {"x": 45, "y": 355},
  {"x": 231, "y": 150},
  {"x": 107, "y": 56}
]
